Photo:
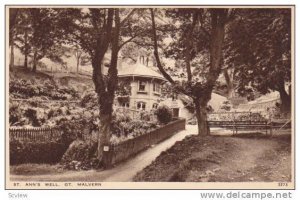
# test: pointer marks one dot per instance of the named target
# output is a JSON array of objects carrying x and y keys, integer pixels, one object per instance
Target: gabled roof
[{"x": 138, "y": 70}]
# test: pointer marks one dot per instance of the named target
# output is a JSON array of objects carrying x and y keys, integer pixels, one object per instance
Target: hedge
[{"x": 36, "y": 152}]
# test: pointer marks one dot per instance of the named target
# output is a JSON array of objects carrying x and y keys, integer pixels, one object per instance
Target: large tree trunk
[
  {"x": 104, "y": 139},
  {"x": 106, "y": 99},
  {"x": 105, "y": 114},
  {"x": 285, "y": 100},
  {"x": 201, "y": 115}
]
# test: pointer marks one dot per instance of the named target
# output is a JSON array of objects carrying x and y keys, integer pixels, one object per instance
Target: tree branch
[
  {"x": 154, "y": 37},
  {"x": 127, "y": 17},
  {"x": 189, "y": 46},
  {"x": 127, "y": 41}
]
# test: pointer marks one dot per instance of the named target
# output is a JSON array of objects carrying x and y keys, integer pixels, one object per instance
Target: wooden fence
[
  {"x": 129, "y": 148},
  {"x": 117, "y": 152},
  {"x": 34, "y": 134}
]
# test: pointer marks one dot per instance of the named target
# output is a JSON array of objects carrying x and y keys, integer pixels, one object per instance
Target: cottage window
[
  {"x": 156, "y": 88},
  {"x": 125, "y": 105},
  {"x": 154, "y": 106},
  {"x": 141, "y": 105},
  {"x": 142, "y": 86}
]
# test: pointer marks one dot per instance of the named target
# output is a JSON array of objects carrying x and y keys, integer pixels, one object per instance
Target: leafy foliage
[
  {"x": 35, "y": 152},
  {"x": 80, "y": 156},
  {"x": 39, "y": 33},
  {"x": 21, "y": 88},
  {"x": 261, "y": 48},
  {"x": 164, "y": 114},
  {"x": 226, "y": 106}
]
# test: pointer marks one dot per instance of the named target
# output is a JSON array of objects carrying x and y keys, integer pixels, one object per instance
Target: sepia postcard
[{"x": 150, "y": 97}]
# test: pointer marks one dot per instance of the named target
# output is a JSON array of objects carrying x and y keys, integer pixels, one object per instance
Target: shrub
[
  {"x": 15, "y": 114},
  {"x": 36, "y": 152},
  {"x": 72, "y": 129},
  {"x": 30, "y": 88},
  {"x": 89, "y": 100},
  {"x": 80, "y": 155},
  {"x": 146, "y": 116},
  {"x": 31, "y": 114},
  {"x": 123, "y": 126},
  {"x": 164, "y": 114},
  {"x": 226, "y": 106}
]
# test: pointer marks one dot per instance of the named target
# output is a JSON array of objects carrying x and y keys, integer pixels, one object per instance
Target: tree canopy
[{"x": 259, "y": 49}]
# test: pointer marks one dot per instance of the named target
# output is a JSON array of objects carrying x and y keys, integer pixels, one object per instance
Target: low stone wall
[{"x": 129, "y": 148}]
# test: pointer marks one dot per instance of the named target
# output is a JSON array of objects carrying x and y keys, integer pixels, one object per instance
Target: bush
[
  {"x": 80, "y": 156},
  {"x": 226, "y": 106},
  {"x": 31, "y": 114},
  {"x": 36, "y": 152},
  {"x": 145, "y": 116},
  {"x": 89, "y": 100},
  {"x": 123, "y": 126},
  {"x": 164, "y": 114},
  {"x": 15, "y": 114},
  {"x": 31, "y": 88},
  {"x": 73, "y": 129}
]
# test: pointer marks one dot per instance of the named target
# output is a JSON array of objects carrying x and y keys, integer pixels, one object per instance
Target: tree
[
  {"x": 22, "y": 30},
  {"x": 97, "y": 31},
  {"x": 39, "y": 33},
  {"x": 13, "y": 14},
  {"x": 261, "y": 52},
  {"x": 200, "y": 38}
]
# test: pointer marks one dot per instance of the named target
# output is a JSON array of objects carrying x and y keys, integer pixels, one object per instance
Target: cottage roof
[{"x": 138, "y": 70}]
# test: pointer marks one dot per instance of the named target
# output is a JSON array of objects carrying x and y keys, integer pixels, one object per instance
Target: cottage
[{"x": 143, "y": 85}]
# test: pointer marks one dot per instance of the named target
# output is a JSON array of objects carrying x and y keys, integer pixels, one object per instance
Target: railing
[
  {"x": 246, "y": 121},
  {"x": 236, "y": 116},
  {"x": 250, "y": 125}
]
